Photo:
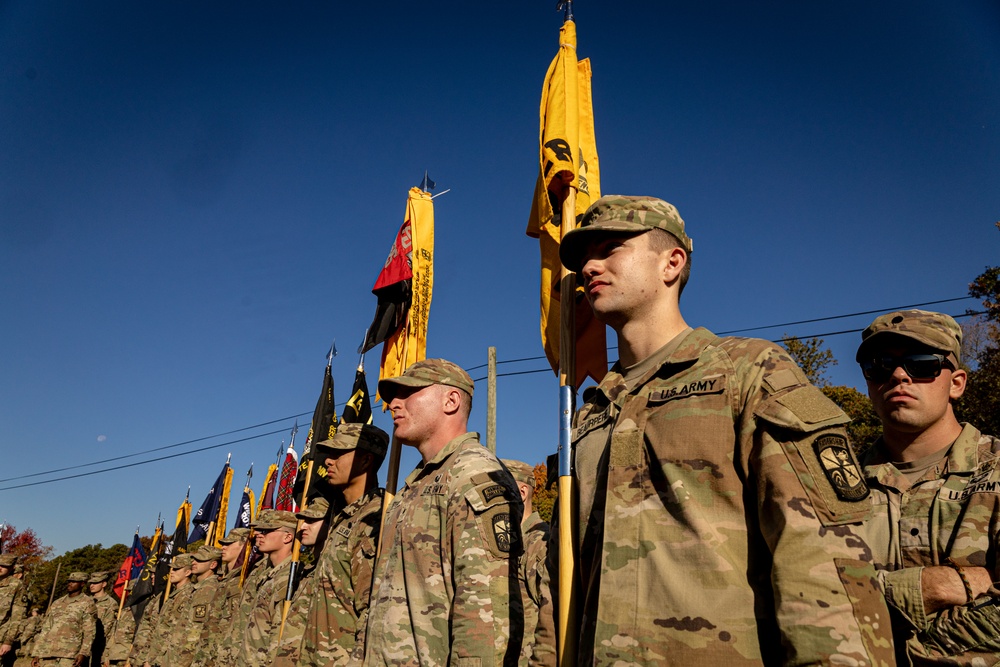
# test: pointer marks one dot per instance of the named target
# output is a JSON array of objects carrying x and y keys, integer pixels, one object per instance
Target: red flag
[
  {"x": 131, "y": 567},
  {"x": 286, "y": 487}
]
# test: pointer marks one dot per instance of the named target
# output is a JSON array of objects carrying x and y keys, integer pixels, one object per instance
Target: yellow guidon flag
[
  {"x": 219, "y": 526},
  {"x": 404, "y": 288},
  {"x": 568, "y": 159}
]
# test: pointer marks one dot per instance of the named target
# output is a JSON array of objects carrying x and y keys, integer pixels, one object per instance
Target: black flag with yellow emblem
[{"x": 324, "y": 425}]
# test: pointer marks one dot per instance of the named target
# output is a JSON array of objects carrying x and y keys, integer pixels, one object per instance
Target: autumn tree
[
  {"x": 980, "y": 405},
  {"x": 811, "y": 357},
  {"x": 24, "y": 544},
  {"x": 543, "y": 497}
]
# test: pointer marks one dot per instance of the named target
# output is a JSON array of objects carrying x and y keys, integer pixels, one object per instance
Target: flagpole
[
  {"x": 567, "y": 613},
  {"x": 52, "y": 594},
  {"x": 297, "y": 544}
]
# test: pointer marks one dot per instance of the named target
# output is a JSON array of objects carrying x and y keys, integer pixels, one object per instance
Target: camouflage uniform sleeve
[
  {"x": 362, "y": 573},
  {"x": 809, "y": 489},
  {"x": 10, "y": 630},
  {"x": 484, "y": 537},
  {"x": 904, "y": 593},
  {"x": 88, "y": 627},
  {"x": 543, "y": 652}
]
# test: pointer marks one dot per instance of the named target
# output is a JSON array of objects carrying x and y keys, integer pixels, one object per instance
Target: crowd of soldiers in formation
[
  {"x": 720, "y": 516},
  {"x": 218, "y": 612}
]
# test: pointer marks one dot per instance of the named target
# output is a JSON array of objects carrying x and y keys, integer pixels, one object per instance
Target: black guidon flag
[{"x": 324, "y": 425}]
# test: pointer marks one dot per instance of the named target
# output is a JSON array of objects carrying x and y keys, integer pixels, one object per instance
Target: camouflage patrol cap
[
  {"x": 935, "y": 330},
  {"x": 520, "y": 471},
  {"x": 79, "y": 576},
  {"x": 181, "y": 561},
  {"x": 273, "y": 519},
  {"x": 317, "y": 509},
  {"x": 424, "y": 374},
  {"x": 98, "y": 577},
  {"x": 236, "y": 535},
  {"x": 365, "y": 437},
  {"x": 619, "y": 214},
  {"x": 8, "y": 560},
  {"x": 206, "y": 553}
]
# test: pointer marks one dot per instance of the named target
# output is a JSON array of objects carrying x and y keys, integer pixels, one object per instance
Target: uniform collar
[
  {"x": 446, "y": 451},
  {"x": 690, "y": 347},
  {"x": 963, "y": 457}
]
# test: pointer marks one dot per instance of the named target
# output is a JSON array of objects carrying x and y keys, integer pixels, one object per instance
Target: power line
[
  {"x": 840, "y": 317},
  {"x": 508, "y": 374},
  {"x": 150, "y": 451},
  {"x": 140, "y": 463}
]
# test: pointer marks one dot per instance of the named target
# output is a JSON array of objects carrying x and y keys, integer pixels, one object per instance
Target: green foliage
[
  {"x": 865, "y": 427},
  {"x": 811, "y": 357},
  {"x": 91, "y": 558},
  {"x": 543, "y": 498},
  {"x": 980, "y": 406}
]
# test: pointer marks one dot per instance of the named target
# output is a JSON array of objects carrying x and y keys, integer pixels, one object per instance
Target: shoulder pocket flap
[
  {"x": 489, "y": 491},
  {"x": 804, "y": 409}
]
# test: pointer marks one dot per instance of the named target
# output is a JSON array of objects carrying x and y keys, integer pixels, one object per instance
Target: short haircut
[{"x": 661, "y": 240}]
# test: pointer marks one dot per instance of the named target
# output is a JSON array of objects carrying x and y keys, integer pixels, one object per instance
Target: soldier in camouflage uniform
[
  {"x": 29, "y": 627},
  {"x": 13, "y": 604},
  {"x": 193, "y": 616},
  {"x": 535, "y": 534},
  {"x": 445, "y": 589},
  {"x": 936, "y": 494},
  {"x": 335, "y": 628},
  {"x": 107, "y": 609},
  {"x": 262, "y": 600},
  {"x": 144, "y": 631},
  {"x": 225, "y": 601},
  {"x": 312, "y": 532},
  {"x": 68, "y": 629},
  {"x": 119, "y": 634},
  {"x": 168, "y": 633},
  {"x": 719, "y": 498}
]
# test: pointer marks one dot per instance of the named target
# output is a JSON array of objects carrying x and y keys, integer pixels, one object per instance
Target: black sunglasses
[{"x": 917, "y": 366}]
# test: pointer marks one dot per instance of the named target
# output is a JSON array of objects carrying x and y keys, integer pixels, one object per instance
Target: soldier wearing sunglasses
[{"x": 936, "y": 492}]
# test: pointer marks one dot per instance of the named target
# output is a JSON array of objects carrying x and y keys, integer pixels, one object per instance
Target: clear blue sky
[{"x": 195, "y": 199}]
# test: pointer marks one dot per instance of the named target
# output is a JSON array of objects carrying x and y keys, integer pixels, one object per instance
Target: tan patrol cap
[
  {"x": 181, "y": 561},
  {"x": 520, "y": 471},
  {"x": 935, "y": 330},
  {"x": 98, "y": 577},
  {"x": 79, "y": 576},
  {"x": 8, "y": 560},
  {"x": 316, "y": 509},
  {"x": 272, "y": 519},
  {"x": 424, "y": 374},
  {"x": 365, "y": 437},
  {"x": 206, "y": 553},
  {"x": 620, "y": 214},
  {"x": 236, "y": 535}
]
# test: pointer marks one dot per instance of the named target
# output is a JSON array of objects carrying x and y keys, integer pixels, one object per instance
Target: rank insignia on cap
[
  {"x": 841, "y": 468},
  {"x": 501, "y": 531}
]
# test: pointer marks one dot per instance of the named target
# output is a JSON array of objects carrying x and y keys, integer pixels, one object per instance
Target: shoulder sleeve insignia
[
  {"x": 841, "y": 468},
  {"x": 200, "y": 612},
  {"x": 502, "y": 532}
]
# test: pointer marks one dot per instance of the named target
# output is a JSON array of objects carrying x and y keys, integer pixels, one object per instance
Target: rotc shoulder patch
[
  {"x": 499, "y": 533},
  {"x": 841, "y": 468},
  {"x": 200, "y": 612}
]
